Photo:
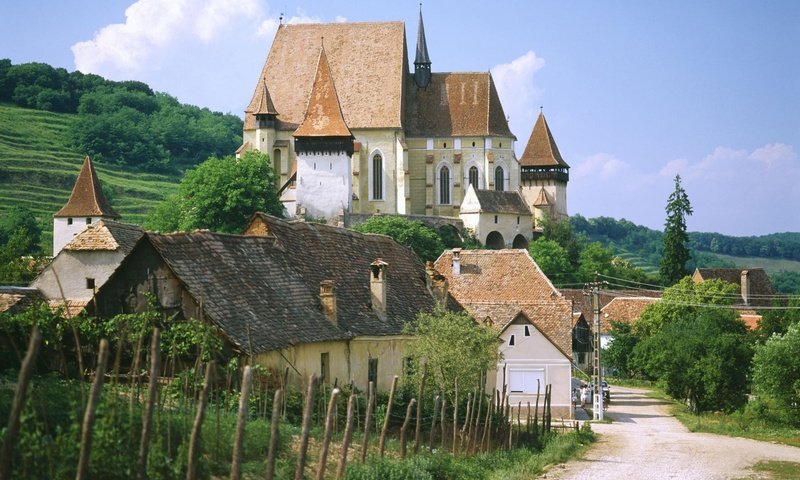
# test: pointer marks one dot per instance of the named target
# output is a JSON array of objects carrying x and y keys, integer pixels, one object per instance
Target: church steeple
[{"x": 422, "y": 62}]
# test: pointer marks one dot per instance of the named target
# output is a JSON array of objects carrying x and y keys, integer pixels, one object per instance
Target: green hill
[{"x": 38, "y": 169}]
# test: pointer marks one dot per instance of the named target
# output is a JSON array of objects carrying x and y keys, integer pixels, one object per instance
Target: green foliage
[
  {"x": 676, "y": 253},
  {"x": 778, "y": 321},
  {"x": 19, "y": 246},
  {"x": 552, "y": 258},
  {"x": 776, "y": 371},
  {"x": 618, "y": 356},
  {"x": 221, "y": 194},
  {"x": 425, "y": 242},
  {"x": 785, "y": 281},
  {"x": 453, "y": 346}
]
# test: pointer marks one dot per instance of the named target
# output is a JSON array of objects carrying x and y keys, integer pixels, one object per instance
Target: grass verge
[{"x": 778, "y": 470}]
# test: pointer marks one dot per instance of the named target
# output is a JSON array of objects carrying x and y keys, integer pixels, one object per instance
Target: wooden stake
[
  {"x": 433, "y": 423},
  {"x": 444, "y": 421},
  {"x": 367, "y": 417},
  {"x": 25, "y": 374},
  {"x": 152, "y": 389},
  {"x": 455, "y": 418},
  {"x": 307, "y": 413},
  {"x": 348, "y": 436},
  {"x": 241, "y": 421},
  {"x": 467, "y": 418},
  {"x": 91, "y": 407},
  {"x": 385, "y": 430},
  {"x": 420, "y": 396},
  {"x": 274, "y": 434},
  {"x": 194, "y": 442},
  {"x": 405, "y": 426},
  {"x": 326, "y": 440}
]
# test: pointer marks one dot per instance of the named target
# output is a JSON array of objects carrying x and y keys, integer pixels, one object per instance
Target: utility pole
[{"x": 597, "y": 371}]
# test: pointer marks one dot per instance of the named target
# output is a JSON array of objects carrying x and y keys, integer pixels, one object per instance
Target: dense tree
[
  {"x": 676, "y": 253},
  {"x": 221, "y": 194},
  {"x": 453, "y": 346},
  {"x": 425, "y": 242},
  {"x": 618, "y": 356},
  {"x": 776, "y": 372},
  {"x": 552, "y": 258},
  {"x": 778, "y": 321}
]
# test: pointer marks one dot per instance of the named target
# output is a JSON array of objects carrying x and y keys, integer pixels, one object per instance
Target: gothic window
[
  {"x": 444, "y": 186},
  {"x": 473, "y": 176},
  {"x": 377, "y": 177},
  {"x": 499, "y": 176}
]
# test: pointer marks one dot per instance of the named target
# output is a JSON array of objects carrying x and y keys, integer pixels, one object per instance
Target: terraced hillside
[{"x": 38, "y": 169}]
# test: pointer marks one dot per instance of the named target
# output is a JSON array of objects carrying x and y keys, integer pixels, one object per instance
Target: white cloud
[
  {"x": 269, "y": 26},
  {"x": 602, "y": 165},
  {"x": 517, "y": 91},
  {"x": 774, "y": 153}
]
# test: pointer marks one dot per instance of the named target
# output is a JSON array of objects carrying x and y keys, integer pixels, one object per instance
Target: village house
[
  {"x": 498, "y": 219},
  {"x": 754, "y": 286},
  {"x": 506, "y": 290}
]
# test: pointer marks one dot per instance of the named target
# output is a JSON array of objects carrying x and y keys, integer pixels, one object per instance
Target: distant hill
[
  {"x": 38, "y": 169},
  {"x": 777, "y": 253}
]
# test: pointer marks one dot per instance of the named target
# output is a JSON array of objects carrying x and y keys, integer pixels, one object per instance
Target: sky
[{"x": 634, "y": 92}]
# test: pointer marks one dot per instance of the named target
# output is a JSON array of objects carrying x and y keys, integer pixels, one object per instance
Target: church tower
[
  {"x": 86, "y": 205},
  {"x": 422, "y": 62},
  {"x": 324, "y": 147},
  {"x": 544, "y": 174},
  {"x": 263, "y": 109}
]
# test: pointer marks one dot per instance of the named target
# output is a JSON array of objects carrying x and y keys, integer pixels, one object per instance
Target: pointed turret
[
  {"x": 544, "y": 173},
  {"x": 324, "y": 116},
  {"x": 542, "y": 150},
  {"x": 262, "y": 107},
  {"x": 422, "y": 62},
  {"x": 86, "y": 205}
]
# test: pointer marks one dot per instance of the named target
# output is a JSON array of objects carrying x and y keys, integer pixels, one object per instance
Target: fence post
[
  {"x": 467, "y": 418},
  {"x": 25, "y": 373},
  {"x": 326, "y": 439},
  {"x": 147, "y": 420},
  {"x": 475, "y": 423},
  {"x": 367, "y": 417},
  {"x": 420, "y": 396},
  {"x": 348, "y": 436},
  {"x": 241, "y": 420},
  {"x": 433, "y": 423},
  {"x": 307, "y": 413},
  {"x": 382, "y": 442},
  {"x": 405, "y": 426},
  {"x": 274, "y": 434},
  {"x": 487, "y": 425},
  {"x": 91, "y": 407},
  {"x": 455, "y": 418},
  {"x": 194, "y": 442}
]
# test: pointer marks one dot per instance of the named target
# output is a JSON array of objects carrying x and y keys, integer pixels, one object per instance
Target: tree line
[{"x": 124, "y": 123}]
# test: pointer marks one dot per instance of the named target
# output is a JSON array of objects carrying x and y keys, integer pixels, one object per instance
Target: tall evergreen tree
[{"x": 676, "y": 253}]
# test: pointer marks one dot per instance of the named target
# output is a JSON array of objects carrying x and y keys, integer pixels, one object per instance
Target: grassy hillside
[
  {"x": 38, "y": 169},
  {"x": 771, "y": 265}
]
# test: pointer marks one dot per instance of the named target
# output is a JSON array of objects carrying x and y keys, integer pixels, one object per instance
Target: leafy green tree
[
  {"x": 453, "y": 346},
  {"x": 676, "y": 253},
  {"x": 776, "y": 371},
  {"x": 561, "y": 232},
  {"x": 778, "y": 321},
  {"x": 552, "y": 258},
  {"x": 220, "y": 194},
  {"x": 425, "y": 242},
  {"x": 618, "y": 356}
]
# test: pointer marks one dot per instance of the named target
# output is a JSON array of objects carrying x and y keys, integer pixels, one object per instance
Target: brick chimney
[
  {"x": 377, "y": 286},
  {"x": 745, "y": 283},
  {"x": 456, "y": 261},
  {"x": 437, "y": 284},
  {"x": 327, "y": 297}
]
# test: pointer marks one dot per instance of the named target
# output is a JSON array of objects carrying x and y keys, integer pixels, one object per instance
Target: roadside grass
[
  {"x": 778, "y": 470},
  {"x": 746, "y": 424}
]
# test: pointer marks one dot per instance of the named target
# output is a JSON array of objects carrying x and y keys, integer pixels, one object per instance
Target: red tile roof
[
  {"x": 87, "y": 198},
  {"x": 541, "y": 150},
  {"x": 324, "y": 114}
]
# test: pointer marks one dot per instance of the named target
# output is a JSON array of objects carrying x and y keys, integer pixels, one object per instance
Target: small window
[
  {"x": 444, "y": 145},
  {"x": 377, "y": 177},
  {"x": 473, "y": 176},
  {"x": 89, "y": 283},
  {"x": 517, "y": 219},
  {"x": 527, "y": 331},
  {"x": 372, "y": 371},
  {"x": 512, "y": 341},
  {"x": 324, "y": 368},
  {"x": 444, "y": 186},
  {"x": 495, "y": 219},
  {"x": 499, "y": 179},
  {"x": 501, "y": 144},
  {"x": 473, "y": 144},
  {"x": 69, "y": 221},
  {"x": 88, "y": 220}
]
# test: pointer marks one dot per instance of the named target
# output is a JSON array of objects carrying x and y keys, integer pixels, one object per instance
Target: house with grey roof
[{"x": 498, "y": 219}]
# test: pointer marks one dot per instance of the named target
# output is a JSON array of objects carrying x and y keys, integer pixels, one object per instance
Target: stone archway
[
  {"x": 494, "y": 241},
  {"x": 520, "y": 242}
]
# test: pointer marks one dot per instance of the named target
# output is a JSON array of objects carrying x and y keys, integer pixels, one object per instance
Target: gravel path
[{"x": 645, "y": 442}]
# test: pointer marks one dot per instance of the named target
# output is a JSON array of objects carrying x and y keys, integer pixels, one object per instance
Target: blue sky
[{"x": 634, "y": 92}]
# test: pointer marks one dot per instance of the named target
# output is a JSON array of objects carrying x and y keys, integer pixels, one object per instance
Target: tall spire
[
  {"x": 541, "y": 150},
  {"x": 422, "y": 62},
  {"x": 87, "y": 198},
  {"x": 324, "y": 116}
]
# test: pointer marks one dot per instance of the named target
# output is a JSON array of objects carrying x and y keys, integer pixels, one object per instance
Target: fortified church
[{"x": 352, "y": 131}]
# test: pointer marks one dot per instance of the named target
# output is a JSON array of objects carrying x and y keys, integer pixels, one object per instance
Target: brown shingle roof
[
  {"x": 107, "y": 235},
  {"x": 492, "y": 201},
  {"x": 500, "y": 284},
  {"x": 15, "y": 299},
  {"x": 624, "y": 310},
  {"x": 761, "y": 289},
  {"x": 368, "y": 64},
  {"x": 542, "y": 200},
  {"x": 541, "y": 150},
  {"x": 583, "y": 302},
  {"x": 323, "y": 116},
  {"x": 456, "y": 104},
  {"x": 87, "y": 198},
  {"x": 261, "y": 103},
  {"x": 263, "y": 291}
]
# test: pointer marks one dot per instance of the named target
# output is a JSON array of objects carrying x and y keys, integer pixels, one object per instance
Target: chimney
[
  {"x": 327, "y": 297},
  {"x": 377, "y": 286},
  {"x": 745, "y": 282},
  {"x": 437, "y": 284},
  {"x": 456, "y": 261}
]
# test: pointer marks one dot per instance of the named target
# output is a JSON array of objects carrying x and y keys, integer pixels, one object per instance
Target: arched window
[
  {"x": 276, "y": 164},
  {"x": 499, "y": 179},
  {"x": 444, "y": 186},
  {"x": 473, "y": 176},
  {"x": 377, "y": 177}
]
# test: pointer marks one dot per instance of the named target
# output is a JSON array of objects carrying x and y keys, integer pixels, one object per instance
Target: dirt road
[{"x": 645, "y": 442}]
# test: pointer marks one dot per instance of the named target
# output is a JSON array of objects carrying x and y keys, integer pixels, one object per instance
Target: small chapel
[{"x": 352, "y": 130}]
